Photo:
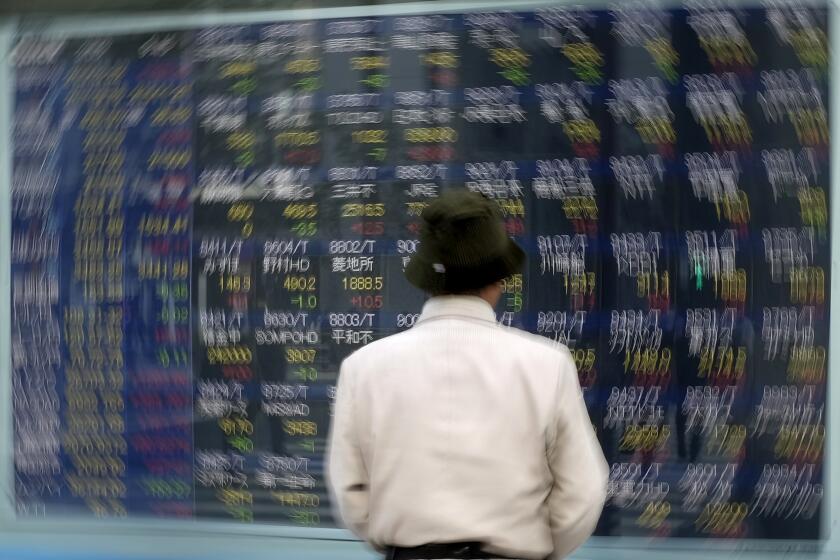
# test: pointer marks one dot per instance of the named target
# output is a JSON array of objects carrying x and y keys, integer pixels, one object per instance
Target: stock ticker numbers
[
  {"x": 102, "y": 379},
  {"x": 206, "y": 222}
]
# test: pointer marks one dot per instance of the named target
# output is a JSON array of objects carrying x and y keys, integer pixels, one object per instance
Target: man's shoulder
[
  {"x": 511, "y": 339},
  {"x": 381, "y": 347},
  {"x": 549, "y": 361},
  {"x": 540, "y": 345}
]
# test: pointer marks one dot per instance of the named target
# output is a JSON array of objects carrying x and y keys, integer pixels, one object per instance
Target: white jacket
[{"x": 460, "y": 429}]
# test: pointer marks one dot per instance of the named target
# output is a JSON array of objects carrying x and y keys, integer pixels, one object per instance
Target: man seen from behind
[{"x": 460, "y": 438}]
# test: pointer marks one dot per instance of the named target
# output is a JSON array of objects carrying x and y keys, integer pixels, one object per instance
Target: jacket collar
[{"x": 472, "y": 307}]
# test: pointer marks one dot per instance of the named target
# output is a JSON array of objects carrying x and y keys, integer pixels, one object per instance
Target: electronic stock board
[{"x": 207, "y": 221}]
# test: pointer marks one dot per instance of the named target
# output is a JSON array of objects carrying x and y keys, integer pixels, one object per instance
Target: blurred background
[{"x": 209, "y": 204}]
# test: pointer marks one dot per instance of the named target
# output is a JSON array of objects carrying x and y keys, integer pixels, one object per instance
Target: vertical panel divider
[
  {"x": 7, "y": 27},
  {"x": 831, "y": 519}
]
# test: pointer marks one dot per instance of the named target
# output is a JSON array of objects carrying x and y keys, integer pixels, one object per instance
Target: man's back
[{"x": 465, "y": 431}]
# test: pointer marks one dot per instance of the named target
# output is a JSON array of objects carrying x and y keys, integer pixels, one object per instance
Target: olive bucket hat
[{"x": 463, "y": 245}]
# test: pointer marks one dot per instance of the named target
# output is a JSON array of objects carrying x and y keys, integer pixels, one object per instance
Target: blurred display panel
[{"x": 206, "y": 222}]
